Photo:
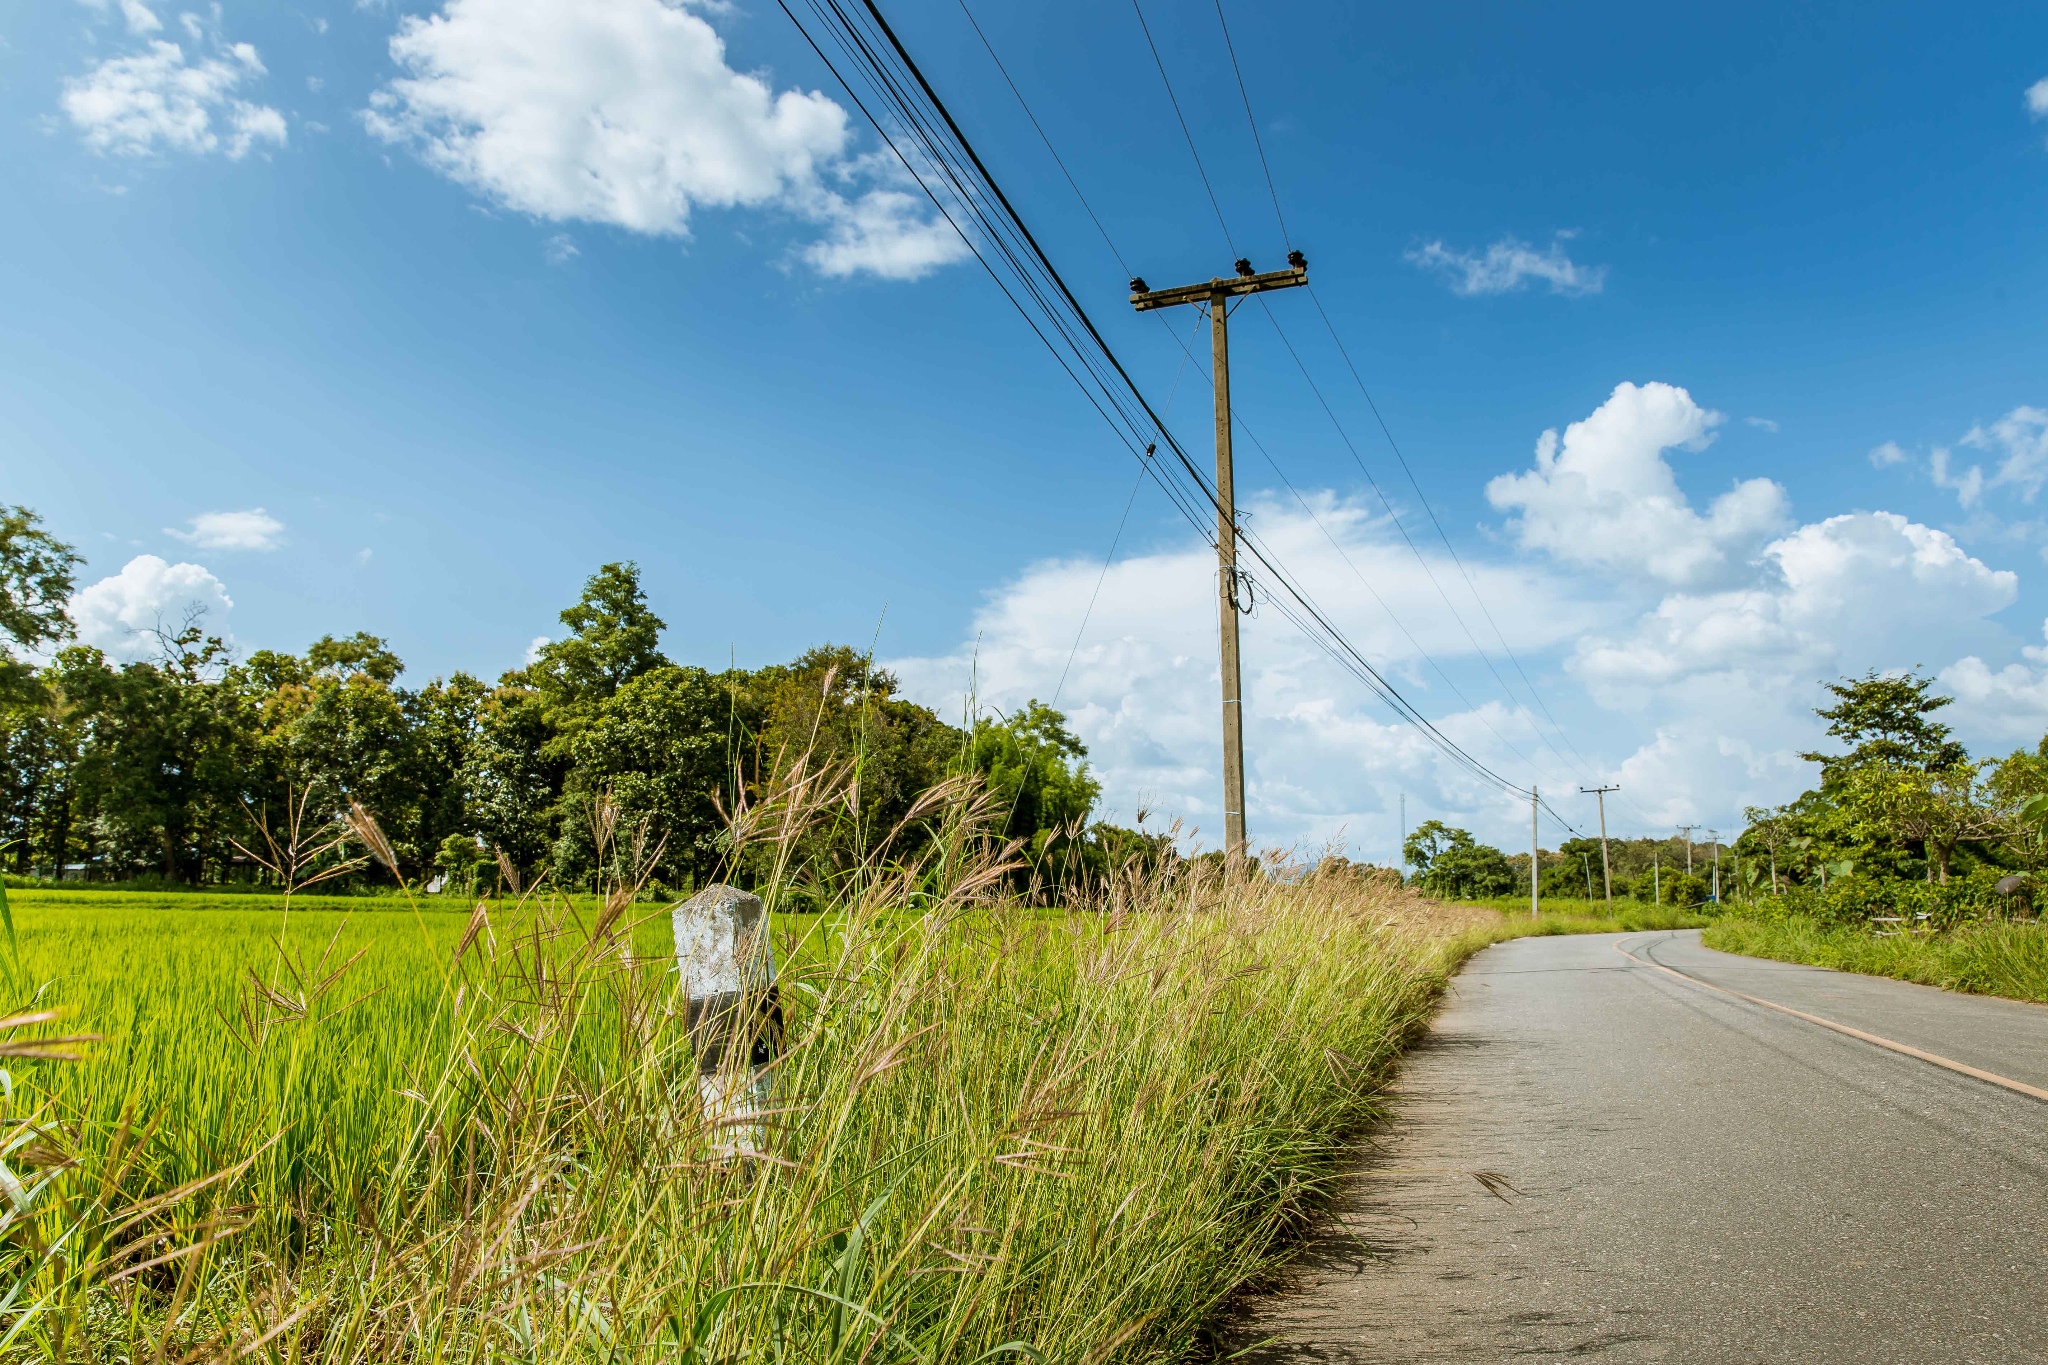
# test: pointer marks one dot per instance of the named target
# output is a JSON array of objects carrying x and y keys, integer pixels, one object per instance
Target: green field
[{"x": 1003, "y": 1132}]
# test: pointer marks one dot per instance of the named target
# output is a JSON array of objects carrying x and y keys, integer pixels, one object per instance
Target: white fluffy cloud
[
  {"x": 1323, "y": 758},
  {"x": 2037, "y": 98},
  {"x": 122, "y": 614},
  {"x": 1508, "y": 265},
  {"x": 1682, "y": 652},
  {"x": 254, "y": 529},
  {"x": 624, "y": 112},
  {"x": 1866, "y": 589},
  {"x": 163, "y": 99},
  {"x": 1604, "y": 495}
]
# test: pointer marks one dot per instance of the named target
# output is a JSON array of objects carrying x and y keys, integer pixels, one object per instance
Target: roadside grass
[
  {"x": 366, "y": 1133},
  {"x": 2008, "y": 958},
  {"x": 1560, "y": 915}
]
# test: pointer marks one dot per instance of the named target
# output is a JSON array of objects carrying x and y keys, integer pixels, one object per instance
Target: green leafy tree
[
  {"x": 1771, "y": 831},
  {"x": 36, "y": 579},
  {"x": 615, "y": 637},
  {"x": 1888, "y": 721},
  {"x": 169, "y": 750},
  {"x": 1450, "y": 862},
  {"x": 1427, "y": 842},
  {"x": 1941, "y": 809},
  {"x": 361, "y": 653},
  {"x": 660, "y": 749},
  {"x": 1037, "y": 775},
  {"x": 512, "y": 775},
  {"x": 833, "y": 709}
]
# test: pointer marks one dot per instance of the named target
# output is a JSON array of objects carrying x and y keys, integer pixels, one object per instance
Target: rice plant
[{"x": 1000, "y": 1129}]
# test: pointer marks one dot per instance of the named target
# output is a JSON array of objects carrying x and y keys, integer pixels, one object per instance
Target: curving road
[{"x": 1694, "y": 1177}]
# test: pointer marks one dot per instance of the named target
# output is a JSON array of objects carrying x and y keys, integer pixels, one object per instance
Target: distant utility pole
[
  {"x": 1656, "y": 877},
  {"x": 1685, "y": 833},
  {"x": 1586, "y": 860},
  {"x": 1404, "y": 836},
  {"x": 1535, "y": 905},
  {"x": 1714, "y": 838},
  {"x": 1215, "y": 295},
  {"x": 1605, "y": 876}
]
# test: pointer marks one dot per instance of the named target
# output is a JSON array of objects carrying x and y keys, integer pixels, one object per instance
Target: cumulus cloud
[
  {"x": 164, "y": 99},
  {"x": 1681, "y": 649},
  {"x": 2037, "y": 98},
  {"x": 1886, "y": 455},
  {"x": 1852, "y": 591},
  {"x": 1604, "y": 496},
  {"x": 2010, "y": 702},
  {"x": 1508, "y": 265},
  {"x": 1323, "y": 757},
  {"x": 625, "y": 113},
  {"x": 254, "y": 529},
  {"x": 121, "y": 614}
]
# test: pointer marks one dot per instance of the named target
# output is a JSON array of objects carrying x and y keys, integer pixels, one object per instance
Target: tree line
[
  {"x": 1904, "y": 803},
  {"x": 174, "y": 767}
]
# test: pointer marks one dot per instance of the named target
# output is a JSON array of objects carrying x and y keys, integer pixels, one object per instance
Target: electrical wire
[
  {"x": 1257, "y": 141},
  {"x": 1265, "y": 166},
  {"x": 1184, "y": 130},
  {"x": 967, "y": 193},
  {"x": 1442, "y": 535}
]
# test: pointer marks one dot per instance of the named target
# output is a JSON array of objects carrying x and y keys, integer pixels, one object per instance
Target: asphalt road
[{"x": 1694, "y": 1178}]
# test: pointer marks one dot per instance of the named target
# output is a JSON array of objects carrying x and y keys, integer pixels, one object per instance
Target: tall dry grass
[{"x": 1001, "y": 1130}]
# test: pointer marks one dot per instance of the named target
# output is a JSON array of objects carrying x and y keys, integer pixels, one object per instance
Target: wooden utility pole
[
  {"x": 1216, "y": 294},
  {"x": 1606, "y": 877},
  {"x": 1535, "y": 873}
]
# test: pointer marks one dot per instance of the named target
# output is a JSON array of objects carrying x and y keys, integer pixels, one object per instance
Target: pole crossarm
[{"x": 1219, "y": 288}]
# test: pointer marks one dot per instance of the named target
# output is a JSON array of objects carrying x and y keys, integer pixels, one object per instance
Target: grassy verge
[
  {"x": 2009, "y": 959},
  {"x": 1573, "y": 916},
  {"x": 364, "y": 1132}
]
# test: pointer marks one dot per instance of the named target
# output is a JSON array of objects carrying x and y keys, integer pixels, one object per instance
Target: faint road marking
[{"x": 1901, "y": 1048}]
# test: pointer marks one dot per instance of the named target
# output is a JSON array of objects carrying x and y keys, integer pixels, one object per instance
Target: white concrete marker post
[{"x": 728, "y": 966}]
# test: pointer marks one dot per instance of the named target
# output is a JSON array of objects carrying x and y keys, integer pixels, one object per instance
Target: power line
[
  {"x": 1265, "y": 166},
  {"x": 1187, "y": 354},
  {"x": 1257, "y": 142},
  {"x": 1184, "y": 131},
  {"x": 1005, "y": 240},
  {"x": 1442, "y": 535},
  {"x": 1114, "y": 541}
]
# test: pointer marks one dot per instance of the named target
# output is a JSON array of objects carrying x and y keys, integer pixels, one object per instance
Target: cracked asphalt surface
[{"x": 1694, "y": 1178}]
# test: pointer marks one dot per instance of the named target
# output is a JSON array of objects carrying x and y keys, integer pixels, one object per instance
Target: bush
[
  {"x": 1855, "y": 902},
  {"x": 1687, "y": 888}
]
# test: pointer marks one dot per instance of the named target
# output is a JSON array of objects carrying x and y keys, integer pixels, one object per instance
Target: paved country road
[{"x": 1695, "y": 1178}]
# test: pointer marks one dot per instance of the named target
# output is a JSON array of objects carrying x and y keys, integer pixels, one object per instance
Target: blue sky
[{"x": 362, "y": 267}]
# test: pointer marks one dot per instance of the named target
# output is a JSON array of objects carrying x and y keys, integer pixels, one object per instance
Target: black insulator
[
  {"x": 1297, "y": 260},
  {"x": 1138, "y": 285},
  {"x": 1244, "y": 267}
]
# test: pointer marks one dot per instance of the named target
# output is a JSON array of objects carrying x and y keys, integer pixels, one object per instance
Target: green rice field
[{"x": 363, "y": 1130}]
